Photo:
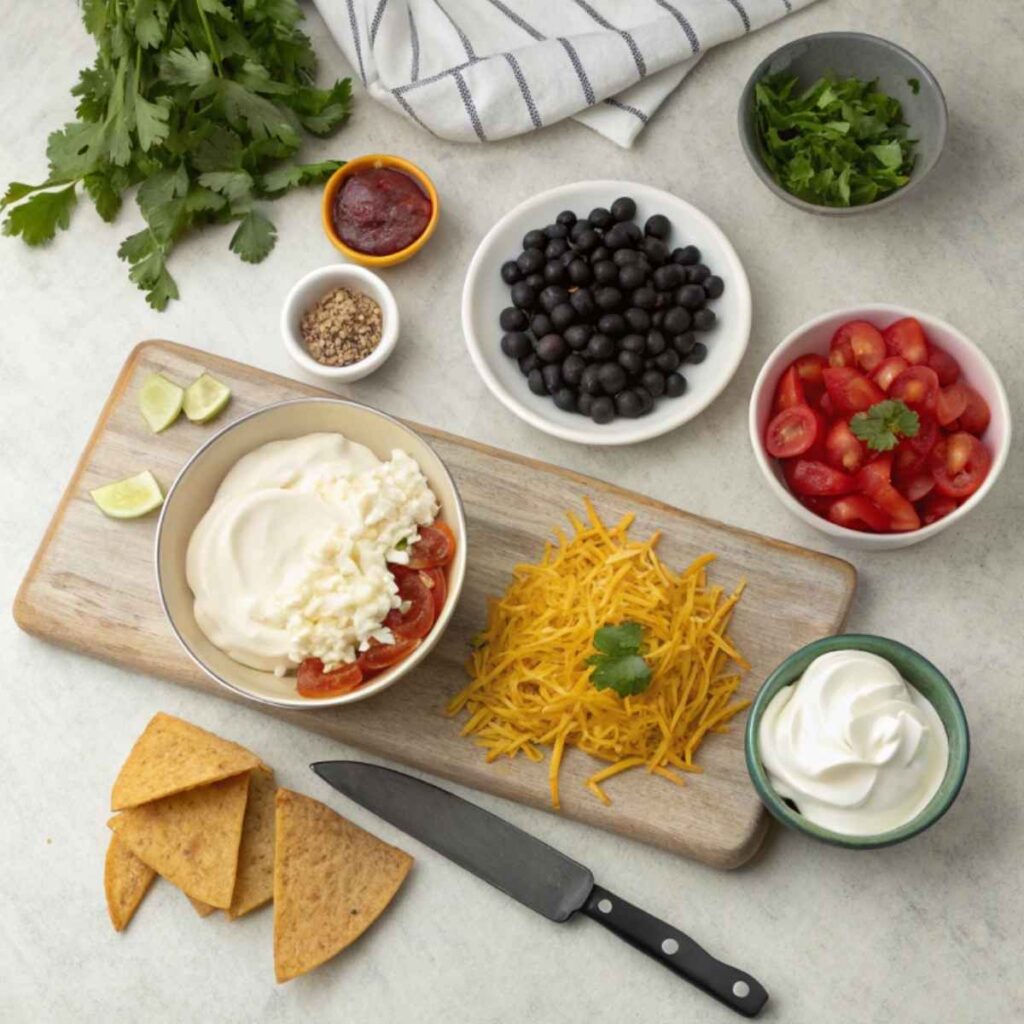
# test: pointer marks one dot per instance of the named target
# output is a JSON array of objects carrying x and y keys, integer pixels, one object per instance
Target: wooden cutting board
[{"x": 91, "y": 587}]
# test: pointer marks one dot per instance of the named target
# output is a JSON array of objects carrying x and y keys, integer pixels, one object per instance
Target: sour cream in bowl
[{"x": 858, "y": 741}]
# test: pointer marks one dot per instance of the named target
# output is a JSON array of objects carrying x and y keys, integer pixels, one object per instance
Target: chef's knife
[{"x": 532, "y": 872}]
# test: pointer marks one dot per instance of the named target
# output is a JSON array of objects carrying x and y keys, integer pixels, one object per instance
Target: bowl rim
[
  {"x": 591, "y": 433},
  {"x": 862, "y": 311},
  {"x": 749, "y": 142},
  {"x": 389, "y": 677},
  {"x": 781, "y": 811},
  {"x": 359, "y": 163},
  {"x": 341, "y": 273}
]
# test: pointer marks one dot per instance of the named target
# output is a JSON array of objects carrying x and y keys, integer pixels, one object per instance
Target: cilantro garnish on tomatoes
[{"x": 885, "y": 424}]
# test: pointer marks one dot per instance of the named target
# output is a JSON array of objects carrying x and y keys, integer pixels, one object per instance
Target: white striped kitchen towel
[{"x": 473, "y": 70}]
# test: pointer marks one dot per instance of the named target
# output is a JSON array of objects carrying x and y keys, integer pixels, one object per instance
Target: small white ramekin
[{"x": 313, "y": 287}]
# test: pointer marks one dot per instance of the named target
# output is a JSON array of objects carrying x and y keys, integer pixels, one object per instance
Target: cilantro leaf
[
  {"x": 151, "y": 121},
  {"x": 74, "y": 150},
  {"x": 38, "y": 219},
  {"x": 293, "y": 175},
  {"x": 263, "y": 119},
  {"x": 915, "y": 85},
  {"x": 619, "y": 665},
  {"x": 18, "y": 190},
  {"x": 885, "y": 424},
  {"x": 236, "y": 185},
  {"x": 186, "y": 67},
  {"x": 618, "y": 641},
  {"x": 105, "y": 187},
  {"x": 150, "y": 22},
  {"x": 254, "y": 238}
]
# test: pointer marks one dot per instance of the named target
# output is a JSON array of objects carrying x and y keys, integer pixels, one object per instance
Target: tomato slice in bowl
[
  {"x": 946, "y": 368},
  {"x": 913, "y": 451},
  {"x": 856, "y": 512},
  {"x": 951, "y": 404},
  {"x": 792, "y": 432},
  {"x": 914, "y": 484},
  {"x": 888, "y": 370},
  {"x": 435, "y": 548},
  {"x": 808, "y": 369},
  {"x": 906, "y": 338},
  {"x": 917, "y": 387},
  {"x": 434, "y": 579},
  {"x": 936, "y": 506},
  {"x": 313, "y": 681},
  {"x": 857, "y": 343},
  {"x": 975, "y": 418},
  {"x": 875, "y": 481},
  {"x": 843, "y": 449},
  {"x": 789, "y": 391},
  {"x": 415, "y": 622},
  {"x": 378, "y": 657},
  {"x": 849, "y": 390},
  {"x": 959, "y": 463},
  {"x": 808, "y": 477}
]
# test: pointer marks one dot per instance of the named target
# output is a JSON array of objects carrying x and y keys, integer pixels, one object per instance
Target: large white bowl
[
  {"x": 485, "y": 295},
  {"x": 814, "y": 337},
  {"x": 192, "y": 493}
]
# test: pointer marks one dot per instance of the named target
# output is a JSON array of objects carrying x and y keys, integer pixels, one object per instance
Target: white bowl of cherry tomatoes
[{"x": 879, "y": 425}]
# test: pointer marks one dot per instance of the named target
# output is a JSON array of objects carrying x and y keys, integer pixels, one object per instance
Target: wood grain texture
[{"x": 91, "y": 587}]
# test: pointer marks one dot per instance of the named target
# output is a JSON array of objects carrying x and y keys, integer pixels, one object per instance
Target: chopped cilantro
[
  {"x": 915, "y": 85},
  {"x": 619, "y": 665},
  {"x": 885, "y": 424}
]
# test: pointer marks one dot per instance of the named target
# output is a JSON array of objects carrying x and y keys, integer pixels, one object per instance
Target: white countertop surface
[{"x": 924, "y": 932}]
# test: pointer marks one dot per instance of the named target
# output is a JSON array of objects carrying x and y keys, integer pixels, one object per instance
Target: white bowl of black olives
[{"x": 606, "y": 312}]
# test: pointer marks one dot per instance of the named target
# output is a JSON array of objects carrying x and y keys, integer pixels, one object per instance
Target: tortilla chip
[
  {"x": 172, "y": 756},
  {"x": 254, "y": 883},
  {"x": 331, "y": 882},
  {"x": 125, "y": 881},
  {"x": 191, "y": 838},
  {"x": 201, "y": 908}
]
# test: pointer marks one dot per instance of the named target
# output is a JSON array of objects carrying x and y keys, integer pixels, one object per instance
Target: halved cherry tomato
[
  {"x": 378, "y": 656},
  {"x": 436, "y": 547},
  {"x": 959, "y": 463},
  {"x": 313, "y": 681},
  {"x": 917, "y": 387},
  {"x": 875, "y": 480},
  {"x": 935, "y": 507},
  {"x": 888, "y": 370},
  {"x": 809, "y": 477},
  {"x": 850, "y": 390},
  {"x": 875, "y": 474},
  {"x": 975, "y": 418},
  {"x": 914, "y": 484},
  {"x": 416, "y": 621},
  {"x": 825, "y": 405},
  {"x": 789, "y": 391},
  {"x": 842, "y": 447},
  {"x": 857, "y": 512},
  {"x": 857, "y": 343},
  {"x": 946, "y": 368},
  {"x": 792, "y": 432},
  {"x": 434, "y": 579},
  {"x": 906, "y": 338},
  {"x": 840, "y": 351},
  {"x": 808, "y": 369},
  {"x": 951, "y": 404},
  {"x": 913, "y": 451},
  {"x": 819, "y": 504}
]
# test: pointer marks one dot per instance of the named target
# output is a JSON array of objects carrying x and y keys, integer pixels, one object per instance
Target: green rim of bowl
[{"x": 919, "y": 673}]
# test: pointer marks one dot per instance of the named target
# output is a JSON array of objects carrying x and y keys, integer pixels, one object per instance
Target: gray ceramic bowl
[
  {"x": 866, "y": 57},
  {"x": 919, "y": 673}
]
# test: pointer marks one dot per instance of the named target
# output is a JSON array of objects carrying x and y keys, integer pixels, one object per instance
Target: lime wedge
[
  {"x": 205, "y": 398},
  {"x": 160, "y": 402},
  {"x": 129, "y": 498}
]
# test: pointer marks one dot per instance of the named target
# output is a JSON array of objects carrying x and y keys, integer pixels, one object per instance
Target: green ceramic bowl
[{"x": 924, "y": 677}]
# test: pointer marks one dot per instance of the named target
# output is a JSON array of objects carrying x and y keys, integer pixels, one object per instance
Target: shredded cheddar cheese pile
[{"x": 531, "y": 684}]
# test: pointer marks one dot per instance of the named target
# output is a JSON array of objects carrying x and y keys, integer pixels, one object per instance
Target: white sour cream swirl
[{"x": 856, "y": 748}]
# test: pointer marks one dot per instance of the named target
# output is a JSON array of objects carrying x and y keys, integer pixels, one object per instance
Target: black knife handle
[{"x": 677, "y": 951}]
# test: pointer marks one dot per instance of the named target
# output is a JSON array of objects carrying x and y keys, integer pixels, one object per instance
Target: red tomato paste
[{"x": 380, "y": 211}]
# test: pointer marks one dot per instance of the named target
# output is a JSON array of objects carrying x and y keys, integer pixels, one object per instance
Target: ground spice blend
[{"x": 344, "y": 327}]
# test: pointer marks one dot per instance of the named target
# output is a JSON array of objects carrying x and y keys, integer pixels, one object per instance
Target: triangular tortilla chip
[
  {"x": 191, "y": 838},
  {"x": 172, "y": 756},
  {"x": 331, "y": 882},
  {"x": 201, "y": 908},
  {"x": 125, "y": 881},
  {"x": 254, "y": 883}
]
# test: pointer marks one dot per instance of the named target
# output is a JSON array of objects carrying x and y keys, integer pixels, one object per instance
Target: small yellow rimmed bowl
[{"x": 377, "y": 161}]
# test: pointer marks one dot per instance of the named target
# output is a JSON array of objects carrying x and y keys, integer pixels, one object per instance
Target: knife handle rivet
[
  {"x": 740, "y": 989},
  {"x": 670, "y": 947},
  {"x": 605, "y": 906}
]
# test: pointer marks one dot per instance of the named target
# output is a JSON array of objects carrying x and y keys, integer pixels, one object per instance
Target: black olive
[
  {"x": 523, "y": 295},
  {"x": 510, "y": 272},
  {"x": 655, "y": 250},
  {"x": 697, "y": 274},
  {"x": 587, "y": 241},
  {"x": 690, "y": 296},
  {"x": 600, "y": 218},
  {"x": 552, "y": 348},
  {"x": 632, "y": 276},
  {"x": 675, "y": 385},
  {"x": 624, "y": 257},
  {"x": 582, "y": 301},
  {"x": 638, "y": 319},
  {"x": 577, "y": 336},
  {"x": 556, "y": 230},
  {"x": 563, "y": 316},
  {"x": 698, "y": 353},
  {"x": 590, "y": 383},
  {"x": 646, "y": 400},
  {"x": 602, "y": 252},
  {"x": 580, "y": 273},
  {"x": 565, "y": 399},
  {"x": 599, "y": 348},
  {"x": 645, "y": 298},
  {"x": 552, "y": 374},
  {"x": 656, "y": 343},
  {"x": 624, "y": 208},
  {"x": 572, "y": 369},
  {"x": 583, "y": 403},
  {"x": 555, "y": 272},
  {"x": 713, "y": 286},
  {"x": 528, "y": 363},
  {"x": 540, "y": 324},
  {"x": 668, "y": 276},
  {"x": 612, "y": 324},
  {"x": 535, "y": 281},
  {"x": 632, "y": 363},
  {"x": 577, "y": 229},
  {"x": 704, "y": 319},
  {"x": 627, "y": 403},
  {"x": 683, "y": 343},
  {"x": 530, "y": 261},
  {"x": 535, "y": 380},
  {"x": 566, "y": 217},
  {"x": 608, "y": 299},
  {"x": 667, "y": 362},
  {"x": 658, "y": 319},
  {"x": 658, "y": 226},
  {"x": 516, "y": 345},
  {"x": 654, "y": 381},
  {"x": 605, "y": 272},
  {"x": 677, "y": 320},
  {"x": 687, "y": 256},
  {"x": 513, "y": 319},
  {"x": 612, "y": 377},
  {"x": 553, "y": 295},
  {"x": 555, "y": 248},
  {"x": 616, "y": 238},
  {"x": 535, "y": 239},
  {"x": 633, "y": 343},
  {"x": 602, "y": 410}
]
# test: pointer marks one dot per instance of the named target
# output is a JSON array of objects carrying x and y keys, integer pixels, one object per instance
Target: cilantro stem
[{"x": 214, "y": 52}]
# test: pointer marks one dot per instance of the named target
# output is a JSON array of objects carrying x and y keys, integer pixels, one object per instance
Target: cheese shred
[{"x": 531, "y": 686}]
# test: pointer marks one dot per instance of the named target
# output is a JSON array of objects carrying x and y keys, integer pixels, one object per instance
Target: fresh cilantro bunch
[
  {"x": 885, "y": 424},
  {"x": 839, "y": 143},
  {"x": 619, "y": 665},
  {"x": 202, "y": 103}
]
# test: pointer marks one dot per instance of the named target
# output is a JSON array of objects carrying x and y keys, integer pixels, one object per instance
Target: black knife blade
[{"x": 532, "y": 872}]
